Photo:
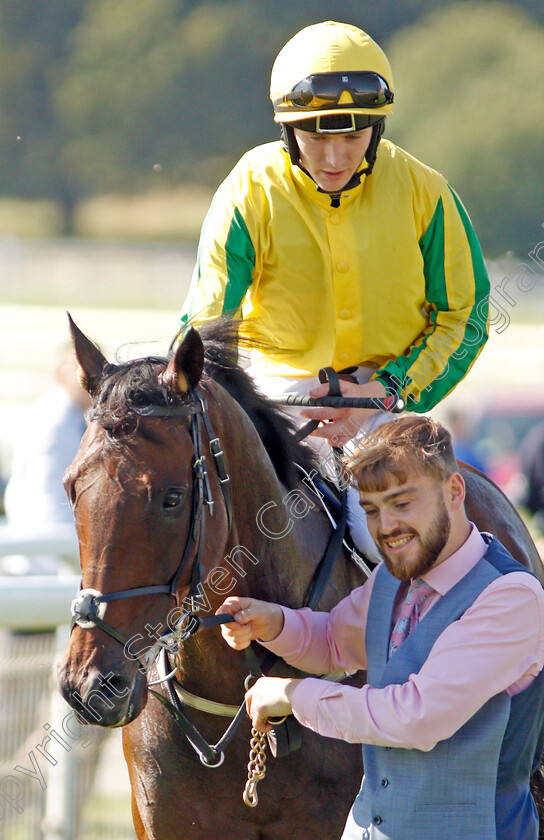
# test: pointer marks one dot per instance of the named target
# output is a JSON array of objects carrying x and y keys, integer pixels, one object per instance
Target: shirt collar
[{"x": 448, "y": 573}]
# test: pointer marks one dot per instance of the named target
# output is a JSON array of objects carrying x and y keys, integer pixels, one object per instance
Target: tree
[
  {"x": 180, "y": 85},
  {"x": 159, "y": 84},
  {"x": 33, "y": 37},
  {"x": 99, "y": 96},
  {"x": 469, "y": 94}
]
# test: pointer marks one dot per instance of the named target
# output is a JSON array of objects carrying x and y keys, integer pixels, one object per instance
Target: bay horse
[{"x": 135, "y": 488}]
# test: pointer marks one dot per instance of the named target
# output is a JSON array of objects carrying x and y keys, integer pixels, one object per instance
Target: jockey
[{"x": 337, "y": 248}]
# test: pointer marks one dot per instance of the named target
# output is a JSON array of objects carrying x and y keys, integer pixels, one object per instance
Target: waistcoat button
[
  {"x": 384, "y": 782},
  {"x": 377, "y": 820}
]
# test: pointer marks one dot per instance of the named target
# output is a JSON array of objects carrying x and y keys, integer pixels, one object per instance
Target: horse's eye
[
  {"x": 70, "y": 487},
  {"x": 173, "y": 498}
]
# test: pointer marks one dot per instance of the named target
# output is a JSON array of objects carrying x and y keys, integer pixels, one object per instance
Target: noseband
[{"x": 89, "y": 606}]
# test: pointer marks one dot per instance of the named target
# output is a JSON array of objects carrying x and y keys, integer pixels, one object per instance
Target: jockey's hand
[
  {"x": 270, "y": 697},
  {"x": 252, "y": 620},
  {"x": 345, "y": 422}
]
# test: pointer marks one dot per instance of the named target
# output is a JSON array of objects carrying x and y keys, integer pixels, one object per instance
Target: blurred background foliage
[
  {"x": 120, "y": 117},
  {"x": 470, "y": 94}
]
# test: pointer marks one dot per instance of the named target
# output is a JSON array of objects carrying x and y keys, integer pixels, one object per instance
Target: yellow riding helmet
[{"x": 330, "y": 68}]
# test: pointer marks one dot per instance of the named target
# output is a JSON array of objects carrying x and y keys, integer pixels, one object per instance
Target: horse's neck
[
  {"x": 278, "y": 534},
  {"x": 285, "y": 533}
]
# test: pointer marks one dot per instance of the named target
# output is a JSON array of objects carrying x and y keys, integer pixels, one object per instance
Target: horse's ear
[
  {"x": 185, "y": 368},
  {"x": 91, "y": 361}
]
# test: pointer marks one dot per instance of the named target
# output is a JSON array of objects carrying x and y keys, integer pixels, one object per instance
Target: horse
[{"x": 141, "y": 480}]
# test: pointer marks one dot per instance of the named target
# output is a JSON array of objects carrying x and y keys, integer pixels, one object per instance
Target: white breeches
[{"x": 274, "y": 386}]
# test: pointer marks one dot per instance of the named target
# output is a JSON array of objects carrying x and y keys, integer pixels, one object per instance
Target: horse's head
[{"x": 140, "y": 488}]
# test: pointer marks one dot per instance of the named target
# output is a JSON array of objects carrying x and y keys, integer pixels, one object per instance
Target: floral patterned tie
[{"x": 410, "y": 613}]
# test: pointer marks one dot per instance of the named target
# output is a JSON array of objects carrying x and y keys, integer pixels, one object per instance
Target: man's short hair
[{"x": 411, "y": 443}]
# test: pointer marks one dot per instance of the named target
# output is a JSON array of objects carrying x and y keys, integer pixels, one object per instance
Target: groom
[{"x": 450, "y": 629}]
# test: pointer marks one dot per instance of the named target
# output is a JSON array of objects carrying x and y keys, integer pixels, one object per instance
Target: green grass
[
  {"x": 104, "y": 818},
  {"x": 107, "y": 818}
]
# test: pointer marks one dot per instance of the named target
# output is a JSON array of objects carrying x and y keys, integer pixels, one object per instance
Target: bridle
[{"x": 89, "y": 606}]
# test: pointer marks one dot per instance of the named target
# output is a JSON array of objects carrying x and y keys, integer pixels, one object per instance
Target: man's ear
[{"x": 455, "y": 490}]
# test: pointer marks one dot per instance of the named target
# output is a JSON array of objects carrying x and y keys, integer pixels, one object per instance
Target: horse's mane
[{"x": 129, "y": 386}]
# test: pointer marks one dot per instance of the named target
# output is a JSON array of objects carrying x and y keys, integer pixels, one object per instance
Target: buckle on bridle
[
  {"x": 217, "y": 452},
  {"x": 201, "y": 475}
]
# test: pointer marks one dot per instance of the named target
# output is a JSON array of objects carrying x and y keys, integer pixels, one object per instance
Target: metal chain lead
[{"x": 256, "y": 767}]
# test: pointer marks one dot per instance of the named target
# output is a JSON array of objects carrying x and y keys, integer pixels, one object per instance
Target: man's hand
[
  {"x": 252, "y": 620},
  {"x": 345, "y": 421},
  {"x": 270, "y": 697}
]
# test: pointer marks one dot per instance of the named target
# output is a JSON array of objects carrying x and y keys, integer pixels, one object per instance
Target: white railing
[
  {"x": 36, "y": 602},
  {"x": 31, "y": 604},
  {"x": 60, "y": 540}
]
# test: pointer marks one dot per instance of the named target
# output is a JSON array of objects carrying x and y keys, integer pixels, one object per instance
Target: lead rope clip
[{"x": 256, "y": 767}]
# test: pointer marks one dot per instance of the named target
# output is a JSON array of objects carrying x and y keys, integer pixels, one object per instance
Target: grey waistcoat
[{"x": 475, "y": 785}]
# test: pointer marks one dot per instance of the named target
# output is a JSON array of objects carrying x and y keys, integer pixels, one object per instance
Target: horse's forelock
[
  {"x": 131, "y": 385},
  {"x": 127, "y": 387}
]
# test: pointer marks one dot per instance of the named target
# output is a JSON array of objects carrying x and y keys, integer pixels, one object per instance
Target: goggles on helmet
[
  {"x": 323, "y": 90},
  {"x": 336, "y": 123}
]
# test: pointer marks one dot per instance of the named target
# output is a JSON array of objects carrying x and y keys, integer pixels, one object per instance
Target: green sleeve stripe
[
  {"x": 432, "y": 247},
  {"x": 239, "y": 261},
  {"x": 481, "y": 280},
  {"x": 240, "y": 258},
  {"x": 189, "y": 311},
  {"x": 433, "y": 250}
]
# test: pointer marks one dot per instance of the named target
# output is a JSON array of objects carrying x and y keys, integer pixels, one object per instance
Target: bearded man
[{"x": 450, "y": 630}]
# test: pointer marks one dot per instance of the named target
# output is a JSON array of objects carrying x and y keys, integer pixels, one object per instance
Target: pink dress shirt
[{"x": 497, "y": 645}]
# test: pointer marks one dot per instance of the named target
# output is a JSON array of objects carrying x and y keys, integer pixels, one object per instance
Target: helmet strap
[
  {"x": 290, "y": 143},
  {"x": 370, "y": 156},
  {"x": 291, "y": 146}
]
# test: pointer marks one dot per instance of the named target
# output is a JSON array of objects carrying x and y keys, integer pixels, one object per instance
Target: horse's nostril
[
  {"x": 119, "y": 686},
  {"x": 104, "y": 700}
]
